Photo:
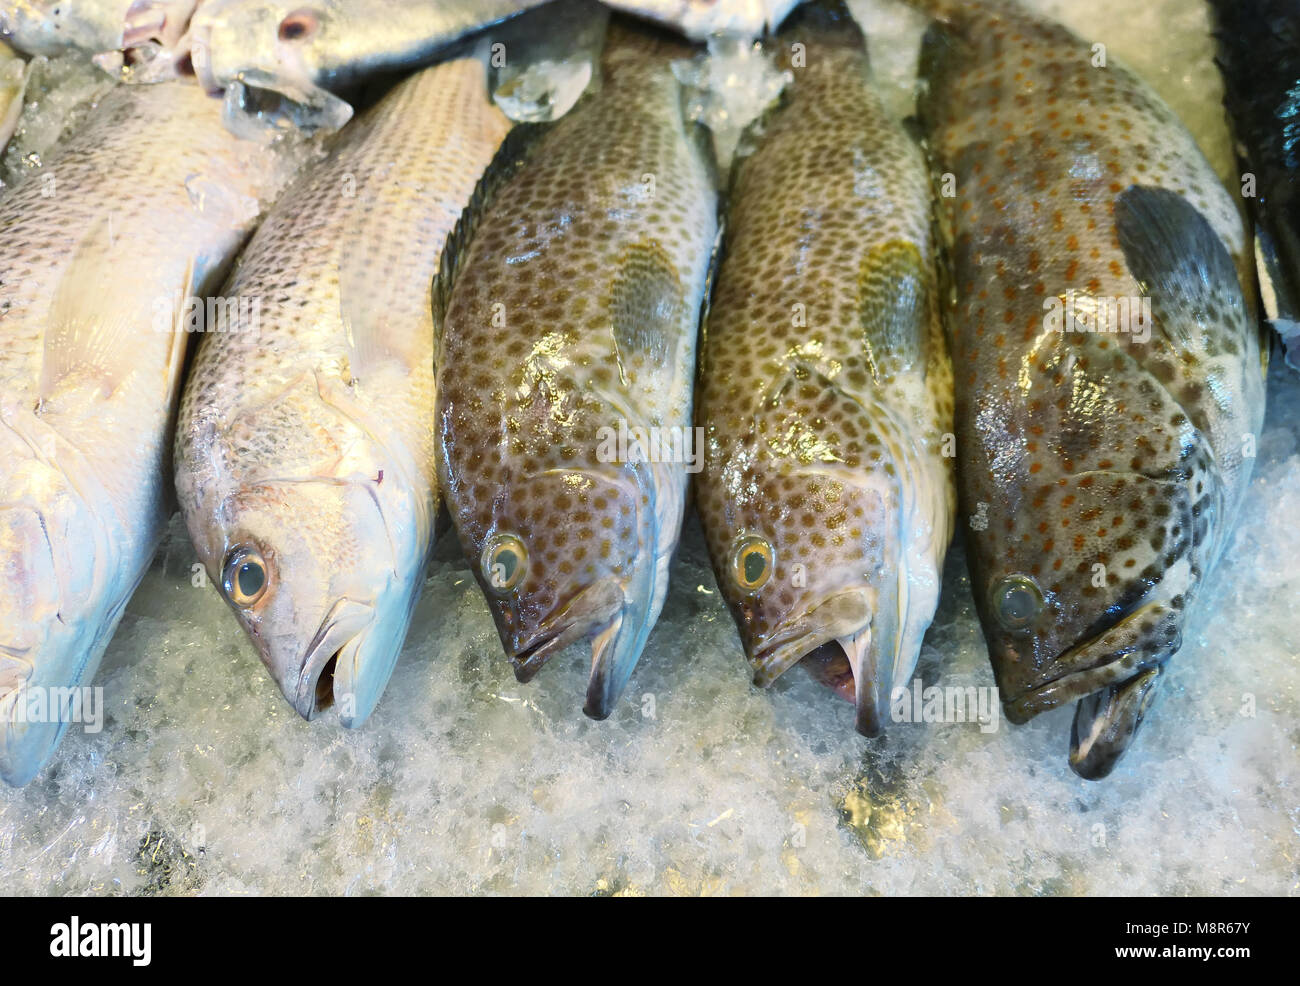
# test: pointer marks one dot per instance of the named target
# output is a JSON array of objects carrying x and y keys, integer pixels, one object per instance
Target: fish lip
[
  {"x": 591, "y": 611},
  {"x": 343, "y": 629},
  {"x": 796, "y": 639},
  {"x": 1076, "y": 683}
]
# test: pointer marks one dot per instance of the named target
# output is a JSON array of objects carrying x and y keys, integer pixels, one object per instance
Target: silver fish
[
  {"x": 132, "y": 216},
  {"x": 308, "y": 51},
  {"x": 305, "y": 449}
]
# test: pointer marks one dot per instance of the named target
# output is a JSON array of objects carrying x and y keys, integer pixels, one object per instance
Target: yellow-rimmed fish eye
[
  {"x": 752, "y": 562},
  {"x": 1017, "y": 601},
  {"x": 504, "y": 562},
  {"x": 243, "y": 575}
]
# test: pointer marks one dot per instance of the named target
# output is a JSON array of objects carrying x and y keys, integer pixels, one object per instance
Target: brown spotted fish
[
  {"x": 566, "y": 370},
  {"x": 1108, "y": 368},
  {"x": 825, "y": 389}
]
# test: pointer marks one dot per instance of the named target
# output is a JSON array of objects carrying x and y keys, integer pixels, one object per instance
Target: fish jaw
[
  {"x": 1141, "y": 641},
  {"x": 334, "y": 670},
  {"x": 1106, "y": 723}
]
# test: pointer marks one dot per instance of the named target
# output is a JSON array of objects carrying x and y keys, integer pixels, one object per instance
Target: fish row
[{"x": 530, "y": 323}]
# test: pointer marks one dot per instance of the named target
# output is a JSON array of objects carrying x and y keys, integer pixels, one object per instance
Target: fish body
[
  {"x": 137, "y": 212},
  {"x": 1108, "y": 370},
  {"x": 1259, "y": 53},
  {"x": 573, "y": 321},
  {"x": 305, "y": 449},
  {"x": 825, "y": 387},
  {"x": 308, "y": 52},
  {"x": 703, "y": 19}
]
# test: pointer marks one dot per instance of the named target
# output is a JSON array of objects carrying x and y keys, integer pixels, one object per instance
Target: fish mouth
[
  {"x": 596, "y": 612},
  {"x": 333, "y": 670},
  {"x": 1106, "y": 723},
  {"x": 1108, "y": 659},
  {"x": 845, "y": 619}
]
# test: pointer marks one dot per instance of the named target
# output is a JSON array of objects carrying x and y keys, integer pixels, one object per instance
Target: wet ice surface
[{"x": 203, "y": 780}]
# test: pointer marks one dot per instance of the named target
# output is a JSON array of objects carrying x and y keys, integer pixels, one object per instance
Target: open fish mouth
[
  {"x": 1107, "y": 659},
  {"x": 334, "y": 669},
  {"x": 842, "y": 623},
  {"x": 593, "y": 611}
]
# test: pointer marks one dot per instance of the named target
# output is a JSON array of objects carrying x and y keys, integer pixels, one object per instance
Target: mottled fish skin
[
  {"x": 307, "y": 50},
  {"x": 305, "y": 451},
  {"x": 1099, "y": 473},
  {"x": 575, "y": 309},
  {"x": 1259, "y": 53},
  {"x": 703, "y": 19},
  {"x": 825, "y": 387},
  {"x": 48, "y": 27},
  {"x": 142, "y": 208}
]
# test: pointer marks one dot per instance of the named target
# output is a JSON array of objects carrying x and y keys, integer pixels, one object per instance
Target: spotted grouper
[
  {"x": 566, "y": 366},
  {"x": 1108, "y": 366},
  {"x": 826, "y": 390}
]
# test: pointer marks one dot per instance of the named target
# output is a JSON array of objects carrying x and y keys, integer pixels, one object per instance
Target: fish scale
[
  {"x": 310, "y": 441},
  {"x": 100, "y": 249},
  {"x": 576, "y": 308},
  {"x": 1086, "y": 455},
  {"x": 825, "y": 388}
]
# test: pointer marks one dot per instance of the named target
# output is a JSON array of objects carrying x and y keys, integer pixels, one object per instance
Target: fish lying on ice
[
  {"x": 48, "y": 27},
  {"x": 1259, "y": 52},
  {"x": 825, "y": 386},
  {"x": 305, "y": 449},
  {"x": 1108, "y": 368},
  {"x": 309, "y": 51},
  {"x": 13, "y": 83},
  {"x": 703, "y": 19},
  {"x": 131, "y": 217},
  {"x": 572, "y": 321}
]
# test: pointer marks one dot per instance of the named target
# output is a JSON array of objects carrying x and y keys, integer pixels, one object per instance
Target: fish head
[
  {"x": 56, "y": 550},
  {"x": 568, "y": 554},
  {"x": 807, "y": 547},
  {"x": 1081, "y": 581},
  {"x": 322, "y": 572}
]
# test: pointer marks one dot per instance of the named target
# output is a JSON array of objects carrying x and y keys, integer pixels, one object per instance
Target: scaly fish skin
[
  {"x": 135, "y": 213},
  {"x": 1100, "y": 472},
  {"x": 576, "y": 312},
  {"x": 825, "y": 387},
  {"x": 305, "y": 453}
]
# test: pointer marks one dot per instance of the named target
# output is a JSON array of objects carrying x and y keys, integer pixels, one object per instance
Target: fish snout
[{"x": 334, "y": 670}]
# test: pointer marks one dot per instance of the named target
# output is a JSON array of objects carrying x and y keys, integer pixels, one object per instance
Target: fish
[
  {"x": 305, "y": 449},
  {"x": 1259, "y": 55},
  {"x": 1109, "y": 371},
  {"x": 155, "y": 43},
  {"x": 568, "y": 333},
  {"x": 825, "y": 390},
  {"x": 703, "y": 19},
  {"x": 138, "y": 211},
  {"x": 50, "y": 27},
  {"x": 309, "y": 52},
  {"x": 14, "y": 74}
]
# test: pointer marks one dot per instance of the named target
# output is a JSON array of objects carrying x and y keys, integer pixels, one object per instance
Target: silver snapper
[
  {"x": 136, "y": 213},
  {"x": 305, "y": 450},
  {"x": 307, "y": 51}
]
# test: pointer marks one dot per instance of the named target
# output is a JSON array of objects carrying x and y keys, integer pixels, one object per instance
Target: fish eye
[
  {"x": 504, "y": 562},
  {"x": 299, "y": 25},
  {"x": 752, "y": 561},
  {"x": 1017, "y": 600},
  {"x": 243, "y": 575}
]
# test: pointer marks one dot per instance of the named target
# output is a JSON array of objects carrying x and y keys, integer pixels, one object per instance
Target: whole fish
[
  {"x": 1109, "y": 375},
  {"x": 572, "y": 323},
  {"x": 308, "y": 52},
  {"x": 1259, "y": 53},
  {"x": 703, "y": 19},
  {"x": 305, "y": 449},
  {"x": 825, "y": 386},
  {"x": 131, "y": 217}
]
